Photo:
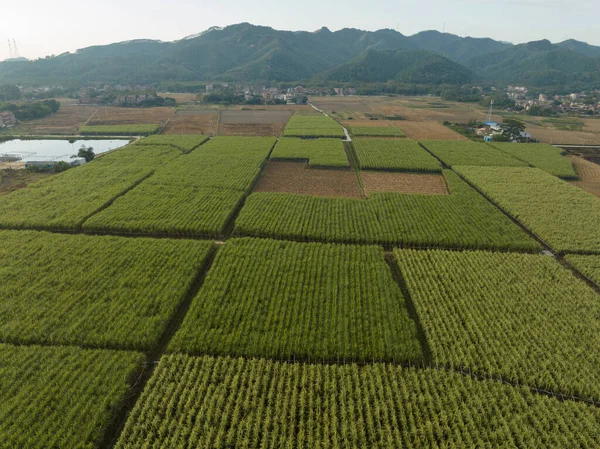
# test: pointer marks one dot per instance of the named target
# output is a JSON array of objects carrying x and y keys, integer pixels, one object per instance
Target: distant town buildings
[{"x": 7, "y": 119}]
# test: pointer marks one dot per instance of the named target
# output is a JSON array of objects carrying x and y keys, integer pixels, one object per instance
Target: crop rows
[
  {"x": 395, "y": 155},
  {"x": 522, "y": 317},
  {"x": 563, "y": 215},
  {"x": 376, "y": 131},
  {"x": 462, "y": 219},
  {"x": 588, "y": 265},
  {"x": 222, "y": 402},
  {"x": 119, "y": 130},
  {"x": 185, "y": 143},
  {"x": 96, "y": 291},
  {"x": 294, "y": 300},
  {"x": 194, "y": 195},
  {"x": 542, "y": 156},
  {"x": 313, "y": 126},
  {"x": 319, "y": 152},
  {"x": 470, "y": 153},
  {"x": 61, "y": 397},
  {"x": 64, "y": 201}
]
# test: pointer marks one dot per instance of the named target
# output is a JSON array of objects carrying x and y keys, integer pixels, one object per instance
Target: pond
[{"x": 54, "y": 150}]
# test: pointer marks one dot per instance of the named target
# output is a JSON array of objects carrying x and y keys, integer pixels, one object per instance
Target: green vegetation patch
[
  {"x": 185, "y": 143},
  {"x": 523, "y": 317},
  {"x": 458, "y": 152},
  {"x": 394, "y": 155},
  {"x": 119, "y": 130},
  {"x": 543, "y": 156},
  {"x": 173, "y": 210},
  {"x": 561, "y": 214},
  {"x": 108, "y": 292},
  {"x": 319, "y": 152},
  {"x": 287, "y": 300},
  {"x": 588, "y": 265},
  {"x": 62, "y": 397},
  {"x": 206, "y": 402},
  {"x": 377, "y": 131},
  {"x": 462, "y": 219},
  {"x": 565, "y": 124},
  {"x": 313, "y": 126},
  {"x": 66, "y": 200}
]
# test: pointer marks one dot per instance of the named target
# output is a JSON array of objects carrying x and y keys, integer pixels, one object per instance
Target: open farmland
[
  {"x": 461, "y": 219},
  {"x": 429, "y": 184},
  {"x": 562, "y": 215},
  {"x": 523, "y": 317},
  {"x": 470, "y": 153},
  {"x": 319, "y": 152},
  {"x": 313, "y": 126},
  {"x": 546, "y": 157},
  {"x": 183, "y": 142},
  {"x": 588, "y": 174},
  {"x": 295, "y": 177},
  {"x": 588, "y": 265},
  {"x": 394, "y": 155},
  {"x": 107, "y": 116},
  {"x": 193, "y": 122},
  {"x": 376, "y": 131},
  {"x": 62, "y": 397},
  {"x": 67, "y": 120},
  {"x": 119, "y": 130},
  {"x": 322, "y": 306}
]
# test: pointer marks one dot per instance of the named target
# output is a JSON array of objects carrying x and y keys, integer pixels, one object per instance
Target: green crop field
[
  {"x": 523, "y": 317},
  {"x": 563, "y": 215},
  {"x": 61, "y": 397},
  {"x": 394, "y": 155},
  {"x": 118, "y": 130},
  {"x": 457, "y": 152},
  {"x": 168, "y": 210},
  {"x": 223, "y": 402},
  {"x": 376, "y": 131},
  {"x": 184, "y": 142},
  {"x": 319, "y": 152},
  {"x": 313, "y": 126},
  {"x": 462, "y": 219},
  {"x": 588, "y": 265},
  {"x": 292, "y": 300},
  {"x": 543, "y": 156},
  {"x": 105, "y": 291}
]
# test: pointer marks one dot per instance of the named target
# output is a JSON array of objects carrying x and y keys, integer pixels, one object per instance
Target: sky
[{"x": 42, "y": 27}]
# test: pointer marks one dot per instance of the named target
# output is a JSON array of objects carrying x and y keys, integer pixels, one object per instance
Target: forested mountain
[{"x": 246, "y": 52}]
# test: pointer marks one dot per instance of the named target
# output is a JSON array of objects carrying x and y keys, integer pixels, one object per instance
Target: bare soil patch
[
  {"x": 16, "y": 178},
  {"x": 297, "y": 178},
  {"x": 131, "y": 116},
  {"x": 66, "y": 121},
  {"x": 403, "y": 183},
  {"x": 193, "y": 122},
  {"x": 589, "y": 175},
  {"x": 255, "y": 117},
  {"x": 273, "y": 129}
]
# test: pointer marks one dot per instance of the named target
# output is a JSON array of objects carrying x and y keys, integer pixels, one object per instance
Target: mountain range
[{"x": 249, "y": 53}]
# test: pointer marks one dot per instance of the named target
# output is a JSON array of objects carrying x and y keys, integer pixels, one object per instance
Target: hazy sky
[{"x": 42, "y": 27}]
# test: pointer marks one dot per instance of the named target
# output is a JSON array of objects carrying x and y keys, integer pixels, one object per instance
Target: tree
[
  {"x": 512, "y": 128},
  {"x": 9, "y": 92},
  {"x": 86, "y": 153}
]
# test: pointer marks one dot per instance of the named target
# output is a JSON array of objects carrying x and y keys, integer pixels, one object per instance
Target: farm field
[
  {"x": 118, "y": 130},
  {"x": 198, "y": 400},
  {"x": 324, "y": 305},
  {"x": 114, "y": 292},
  {"x": 379, "y": 131},
  {"x": 562, "y": 215},
  {"x": 214, "y": 286},
  {"x": 523, "y": 317},
  {"x": 296, "y": 178},
  {"x": 319, "y": 152},
  {"x": 394, "y": 155},
  {"x": 62, "y": 396},
  {"x": 461, "y": 219},
  {"x": 67, "y": 120},
  {"x": 411, "y": 183}
]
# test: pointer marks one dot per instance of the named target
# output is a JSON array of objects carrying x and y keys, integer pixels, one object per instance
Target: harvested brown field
[
  {"x": 131, "y": 116},
  {"x": 589, "y": 175},
  {"x": 181, "y": 98},
  {"x": 553, "y": 136},
  {"x": 193, "y": 122},
  {"x": 276, "y": 107},
  {"x": 429, "y": 131},
  {"x": 377, "y": 181},
  {"x": 273, "y": 129},
  {"x": 297, "y": 178},
  {"x": 255, "y": 117},
  {"x": 372, "y": 123},
  {"x": 66, "y": 121},
  {"x": 15, "y": 178}
]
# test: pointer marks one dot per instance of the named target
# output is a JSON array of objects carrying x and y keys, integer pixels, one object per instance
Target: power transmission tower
[
  {"x": 10, "y": 50},
  {"x": 491, "y": 111},
  {"x": 16, "y": 49}
]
